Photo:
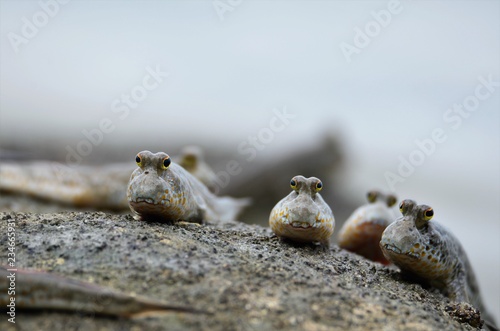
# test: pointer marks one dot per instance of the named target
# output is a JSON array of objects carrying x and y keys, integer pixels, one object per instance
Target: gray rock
[{"x": 246, "y": 276}]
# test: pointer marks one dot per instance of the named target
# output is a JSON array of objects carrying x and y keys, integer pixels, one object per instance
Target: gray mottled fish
[
  {"x": 362, "y": 231},
  {"x": 303, "y": 215},
  {"x": 162, "y": 190},
  {"x": 101, "y": 187},
  {"x": 191, "y": 158},
  {"x": 92, "y": 187},
  {"x": 428, "y": 250},
  {"x": 42, "y": 290}
]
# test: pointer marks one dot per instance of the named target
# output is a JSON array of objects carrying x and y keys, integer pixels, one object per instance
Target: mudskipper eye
[
  {"x": 319, "y": 186},
  {"x": 425, "y": 213},
  {"x": 138, "y": 160},
  {"x": 189, "y": 160},
  {"x": 402, "y": 207},
  {"x": 372, "y": 196},
  {"x": 428, "y": 213},
  {"x": 166, "y": 162},
  {"x": 293, "y": 184},
  {"x": 391, "y": 200}
]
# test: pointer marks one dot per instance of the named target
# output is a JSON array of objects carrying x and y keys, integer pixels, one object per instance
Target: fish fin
[{"x": 229, "y": 208}]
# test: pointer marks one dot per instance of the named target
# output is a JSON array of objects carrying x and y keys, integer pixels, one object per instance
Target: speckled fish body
[
  {"x": 92, "y": 187},
  {"x": 362, "y": 231},
  {"x": 432, "y": 256},
  {"x": 100, "y": 187},
  {"x": 191, "y": 159},
  {"x": 41, "y": 290},
  {"x": 431, "y": 252},
  {"x": 170, "y": 193},
  {"x": 303, "y": 215}
]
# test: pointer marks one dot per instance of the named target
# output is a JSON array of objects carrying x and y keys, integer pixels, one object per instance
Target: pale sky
[{"x": 225, "y": 77}]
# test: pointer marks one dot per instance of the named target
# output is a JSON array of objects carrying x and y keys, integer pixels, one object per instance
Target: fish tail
[{"x": 229, "y": 208}]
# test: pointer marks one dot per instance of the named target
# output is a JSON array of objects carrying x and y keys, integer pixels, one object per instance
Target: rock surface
[{"x": 247, "y": 277}]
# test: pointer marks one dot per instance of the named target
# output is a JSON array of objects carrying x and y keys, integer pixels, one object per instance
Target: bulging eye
[
  {"x": 293, "y": 184},
  {"x": 391, "y": 200},
  {"x": 189, "y": 160},
  {"x": 166, "y": 162},
  {"x": 428, "y": 213},
  {"x": 138, "y": 160},
  {"x": 319, "y": 186},
  {"x": 402, "y": 207},
  {"x": 372, "y": 196}
]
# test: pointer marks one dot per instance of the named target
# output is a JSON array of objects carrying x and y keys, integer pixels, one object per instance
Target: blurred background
[{"x": 399, "y": 96}]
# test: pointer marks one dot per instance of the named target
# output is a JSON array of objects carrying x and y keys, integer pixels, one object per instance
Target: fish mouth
[
  {"x": 150, "y": 201},
  {"x": 300, "y": 225},
  {"x": 393, "y": 248},
  {"x": 145, "y": 200},
  {"x": 146, "y": 209},
  {"x": 146, "y": 206},
  {"x": 396, "y": 250}
]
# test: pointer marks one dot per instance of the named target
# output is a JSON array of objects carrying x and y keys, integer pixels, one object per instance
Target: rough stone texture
[{"x": 250, "y": 279}]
